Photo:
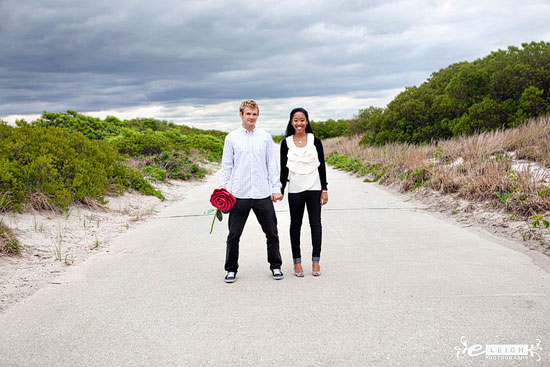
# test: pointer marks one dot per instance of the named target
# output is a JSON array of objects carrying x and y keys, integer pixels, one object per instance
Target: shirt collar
[{"x": 243, "y": 130}]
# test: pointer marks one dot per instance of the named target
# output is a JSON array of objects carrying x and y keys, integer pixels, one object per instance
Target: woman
[{"x": 303, "y": 167}]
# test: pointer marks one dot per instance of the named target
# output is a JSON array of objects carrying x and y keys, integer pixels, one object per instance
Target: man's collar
[{"x": 248, "y": 132}]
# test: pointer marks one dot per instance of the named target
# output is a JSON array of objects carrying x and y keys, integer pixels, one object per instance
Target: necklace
[{"x": 300, "y": 140}]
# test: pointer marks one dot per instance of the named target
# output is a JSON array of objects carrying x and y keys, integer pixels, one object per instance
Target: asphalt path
[{"x": 399, "y": 287}]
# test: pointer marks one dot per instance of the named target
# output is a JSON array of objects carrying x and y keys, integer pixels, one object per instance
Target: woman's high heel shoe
[
  {"x": 316, "y": 273},
  {"x": 299, "y": 274}
]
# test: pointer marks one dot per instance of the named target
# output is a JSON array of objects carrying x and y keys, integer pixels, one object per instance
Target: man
[{"x": 249, "y": 153}]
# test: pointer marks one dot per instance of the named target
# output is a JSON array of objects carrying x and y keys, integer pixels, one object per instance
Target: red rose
[{"x": 222, "y": 200}]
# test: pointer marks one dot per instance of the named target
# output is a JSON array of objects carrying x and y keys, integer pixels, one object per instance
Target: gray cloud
[{"x": 107, "y": 55}]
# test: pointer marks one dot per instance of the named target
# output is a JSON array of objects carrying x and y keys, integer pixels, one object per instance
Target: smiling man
[{"x": 249, "y": 154}]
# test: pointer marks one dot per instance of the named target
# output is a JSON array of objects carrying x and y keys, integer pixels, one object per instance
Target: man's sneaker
[
  {"x": 230, "y": 277},
  {"x": 277, "y": 274}
]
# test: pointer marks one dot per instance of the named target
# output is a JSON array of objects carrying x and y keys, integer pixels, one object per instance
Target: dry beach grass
[{"x": 505, "y": 173}]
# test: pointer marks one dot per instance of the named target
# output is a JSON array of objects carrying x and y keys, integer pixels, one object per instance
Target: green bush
[
  {"x": 356, "y": 166},
  {"x": 155, "y": 173},
  {"x": 278, "y": 138},
  {"x": 329, "y": 128},
  {"x": 210, "y": 146},
  {"x": 90, "y": 127},
  {"x": 174, "y": 164},
  {"x": 127, "y": 177},
  {"x": 48, "y": 167},
  {"x": 139, "y": 136},
  {"x": 146, "y": 142},
  {"x": 151, "y": 142}
]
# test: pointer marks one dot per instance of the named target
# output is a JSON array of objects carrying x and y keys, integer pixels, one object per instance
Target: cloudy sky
[{"x": 193, "y": 62}]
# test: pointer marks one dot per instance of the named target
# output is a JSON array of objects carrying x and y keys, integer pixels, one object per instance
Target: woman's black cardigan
[{"x": 320, "y": 155}]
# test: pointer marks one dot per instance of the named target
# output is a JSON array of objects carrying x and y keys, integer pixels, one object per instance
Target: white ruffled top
[{"x": 303, "y": 163}]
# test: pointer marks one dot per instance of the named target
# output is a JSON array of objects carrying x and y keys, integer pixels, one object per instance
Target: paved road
[{"x": 399, "y": 287}]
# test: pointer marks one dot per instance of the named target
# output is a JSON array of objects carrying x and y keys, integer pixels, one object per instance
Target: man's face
[{"x": 249, "y": 117}]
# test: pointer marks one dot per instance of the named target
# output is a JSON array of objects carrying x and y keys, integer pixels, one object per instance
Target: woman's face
[{"x": 299, "y": 122}]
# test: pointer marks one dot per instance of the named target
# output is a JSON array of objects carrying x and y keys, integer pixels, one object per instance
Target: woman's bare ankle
[{"x": 315, "y": 266}]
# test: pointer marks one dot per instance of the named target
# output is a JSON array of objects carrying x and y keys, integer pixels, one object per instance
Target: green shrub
[
  {"x": 176, "y": 165},
  {"x": 146, "y": 142},
  {"x": 278, "y": 138},
  {"x": 139, "y": 136},
  {"x": 127, "y": 177},
  {"x": 151, "y": 142},
  {"x": 357, "y": 166},
  {"x": 329, "y": 128},
  {"x": 155, "y": 173},
  {"x": 47, "y": 167},
  {"x": 210, "y": 146},
  {"x": 90, "y": 127}
]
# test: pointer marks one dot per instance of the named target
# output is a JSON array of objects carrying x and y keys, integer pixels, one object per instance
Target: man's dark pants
[{"x": 265, "y": 213}]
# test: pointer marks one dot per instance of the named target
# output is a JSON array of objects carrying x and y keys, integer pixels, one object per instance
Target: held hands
[
  {"x": 279, "y": 197},
  {"x": 324, "y": 197},
  {"x": 276, "y": 197}
]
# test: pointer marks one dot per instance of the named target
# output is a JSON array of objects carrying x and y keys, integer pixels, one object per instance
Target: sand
[{"x": 52, "y": 242}]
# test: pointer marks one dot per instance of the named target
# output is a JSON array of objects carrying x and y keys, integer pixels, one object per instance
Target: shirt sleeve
[
  {"x": 272, "y": 169},
  {"x": 284, "y": 168},
  {"x": 322, "y": 166},
  {"x": 227, "y": 163}
]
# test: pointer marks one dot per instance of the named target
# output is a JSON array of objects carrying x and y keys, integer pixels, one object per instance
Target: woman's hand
[
  {"x": 324, "y": 197},
  {"x": 276, "y": 197}
]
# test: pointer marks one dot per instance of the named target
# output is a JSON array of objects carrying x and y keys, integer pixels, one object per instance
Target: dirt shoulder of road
[{"x": 52, "y": 242}]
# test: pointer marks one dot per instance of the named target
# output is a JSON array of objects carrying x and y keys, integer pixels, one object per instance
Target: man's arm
[
  {"x": 227, "y": 163},
  {"x": 272, "y": 169}
]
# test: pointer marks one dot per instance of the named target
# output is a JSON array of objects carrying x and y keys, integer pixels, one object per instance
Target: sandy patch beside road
[{"x": 53, "y": 242}]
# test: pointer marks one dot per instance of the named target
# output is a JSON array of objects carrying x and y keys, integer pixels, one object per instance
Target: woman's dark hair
[{"x": 290, "y": 129}]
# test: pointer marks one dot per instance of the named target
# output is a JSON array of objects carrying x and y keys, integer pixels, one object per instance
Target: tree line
[{"x": 500, "y": 90}]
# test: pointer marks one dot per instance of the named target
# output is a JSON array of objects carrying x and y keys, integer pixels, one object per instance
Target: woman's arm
[
  {"x": 322, "y": 166},
  {"x": 284, "y": 168}
]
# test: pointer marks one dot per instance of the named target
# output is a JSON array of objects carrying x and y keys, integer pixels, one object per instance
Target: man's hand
[{"x": 276, "y": 197}]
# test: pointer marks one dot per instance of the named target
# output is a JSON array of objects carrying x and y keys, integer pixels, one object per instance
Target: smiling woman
[{"x": 303, "y": 168}]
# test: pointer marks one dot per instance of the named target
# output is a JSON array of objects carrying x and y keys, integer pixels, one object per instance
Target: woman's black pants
[{"x": 297, "y": 202}]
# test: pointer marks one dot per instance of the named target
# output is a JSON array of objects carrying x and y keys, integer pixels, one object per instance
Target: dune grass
[
  {"x": 478, "y": 167},
  {"x": 8, "y": 242}
]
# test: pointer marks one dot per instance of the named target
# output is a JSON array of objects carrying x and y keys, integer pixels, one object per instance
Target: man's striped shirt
[{"x": 250, "y": 156}]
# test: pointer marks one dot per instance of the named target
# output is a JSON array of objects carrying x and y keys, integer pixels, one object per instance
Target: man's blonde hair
[{"x": 250, "y": 104}]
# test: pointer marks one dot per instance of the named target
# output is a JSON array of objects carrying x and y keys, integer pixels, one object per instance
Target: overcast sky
[{"x": 193, "y": 62}]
